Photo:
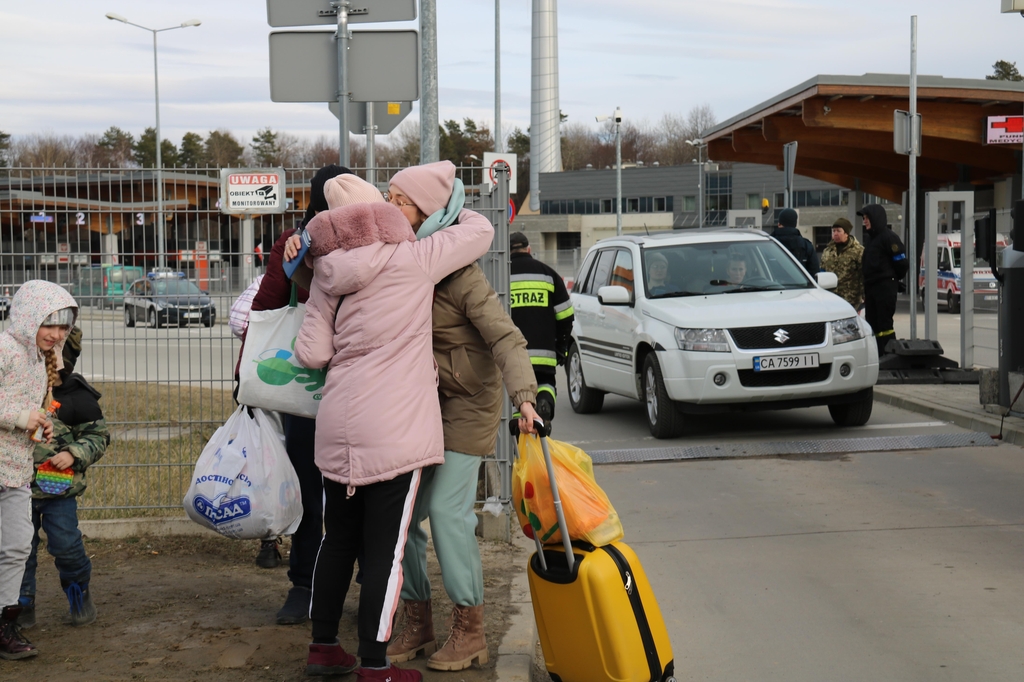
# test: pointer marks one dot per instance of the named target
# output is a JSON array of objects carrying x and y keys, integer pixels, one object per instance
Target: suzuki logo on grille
[{"x": 781, "y": 335}]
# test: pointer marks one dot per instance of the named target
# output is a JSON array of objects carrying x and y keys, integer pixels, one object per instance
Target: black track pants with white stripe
[{"x": 374, "y": 522}]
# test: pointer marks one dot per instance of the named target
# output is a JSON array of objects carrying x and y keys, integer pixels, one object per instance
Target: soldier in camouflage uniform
[
  {"x": 843, "y": 256},
  {"x": 80, "y": 438}
]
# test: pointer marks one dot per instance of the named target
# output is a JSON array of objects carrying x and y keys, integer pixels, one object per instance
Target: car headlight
[
  {"x": 844, "y": 331},
  {"x": 707, "y": 340}
]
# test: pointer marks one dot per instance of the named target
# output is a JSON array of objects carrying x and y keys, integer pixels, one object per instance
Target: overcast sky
[{"x": 66, "y": 69}]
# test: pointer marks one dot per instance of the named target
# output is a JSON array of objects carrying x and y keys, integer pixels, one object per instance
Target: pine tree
[
  {"x": 223, "y": 150},
  {"x": 1005, "y": 71},
  {"x": 265, "y": 148},
  {"x": 191, "y": 154},
  {"x": 144, "y": 151}
]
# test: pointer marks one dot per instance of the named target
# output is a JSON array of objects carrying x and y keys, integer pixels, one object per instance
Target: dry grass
[{"x": 157, "y": 434}]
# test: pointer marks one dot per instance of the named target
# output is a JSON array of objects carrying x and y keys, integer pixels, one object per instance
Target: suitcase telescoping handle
[{"x": 544, "y": 430}]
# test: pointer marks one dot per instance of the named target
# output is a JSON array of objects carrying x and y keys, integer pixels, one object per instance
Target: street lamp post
[
  {"x": 617, "y": 118},
  {"x": 699, "y": 144},
  {"x": 161, "y": 239}
]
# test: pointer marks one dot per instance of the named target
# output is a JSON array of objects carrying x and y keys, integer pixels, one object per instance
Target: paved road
[
  {"x": 113, "y": 352},
  {"x": 871, "y": 566}
]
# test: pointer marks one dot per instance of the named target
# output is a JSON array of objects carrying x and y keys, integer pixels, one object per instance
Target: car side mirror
[
  {"x": 614, "y": 295},
  {"x": 828, "y": 280}
]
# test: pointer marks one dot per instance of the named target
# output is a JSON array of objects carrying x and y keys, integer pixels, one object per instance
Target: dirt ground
[{"x": 198, "y": 608}]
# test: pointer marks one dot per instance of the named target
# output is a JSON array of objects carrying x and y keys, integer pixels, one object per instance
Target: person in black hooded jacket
[
  {"x": 884, "y": 264},
  {"x": 798, "y": 245}
]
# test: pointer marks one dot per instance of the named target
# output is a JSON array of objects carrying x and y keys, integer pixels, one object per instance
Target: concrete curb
[
  {"x": 118, "y": 529},
  {"x": 516, "y": 651},
  {"x": 1013, "y": 427}
]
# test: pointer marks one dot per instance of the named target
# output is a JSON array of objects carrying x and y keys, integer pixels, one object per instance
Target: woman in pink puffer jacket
[{"x": 379, "y": 421}]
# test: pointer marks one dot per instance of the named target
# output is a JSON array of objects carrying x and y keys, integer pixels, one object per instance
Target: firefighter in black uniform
[
  {"x": 543, "y": 312},
  {"x": 884, "y": 264}
]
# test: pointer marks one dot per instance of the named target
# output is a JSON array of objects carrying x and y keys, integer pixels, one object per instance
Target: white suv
[{"x": 714, "y": 321}]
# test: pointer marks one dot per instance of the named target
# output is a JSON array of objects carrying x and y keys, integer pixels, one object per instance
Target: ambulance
[{"x": 986, "y": 289}]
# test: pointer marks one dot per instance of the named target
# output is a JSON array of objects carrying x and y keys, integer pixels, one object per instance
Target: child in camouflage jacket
[{"x": 80, "y": 438}]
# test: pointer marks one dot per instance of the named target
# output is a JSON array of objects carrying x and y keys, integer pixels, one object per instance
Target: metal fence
[{"x": 166, "y": 389}]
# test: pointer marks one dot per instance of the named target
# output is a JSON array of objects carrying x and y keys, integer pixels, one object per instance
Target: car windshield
[
  {"x": 720, "y": 268},
  {"x": 175, "y": 287}
]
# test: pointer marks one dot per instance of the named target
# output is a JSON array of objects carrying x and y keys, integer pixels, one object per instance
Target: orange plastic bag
[{"x": 589, "y": 514}]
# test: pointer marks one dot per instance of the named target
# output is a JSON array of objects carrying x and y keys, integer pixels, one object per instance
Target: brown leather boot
[
  {"x": 466, "y": 642},
  {"x": 13, "y": 644},
  {"x": 418, "y": 634}
]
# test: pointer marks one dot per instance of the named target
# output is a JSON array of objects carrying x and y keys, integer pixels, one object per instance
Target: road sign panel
[
  {"x": 252, "y": 190},
  {"x": 1004, "y": 130},
  {"x": 382, "y": 66},
  {"x": 491, "y": 159},
  {"x": 906, "y": 133},
  {"x": 281, "y": 13},
  {"x": 386, "y": 115}
]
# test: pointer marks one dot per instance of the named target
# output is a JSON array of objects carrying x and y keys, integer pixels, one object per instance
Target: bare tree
[
  {"x": 674, "y": 133},
  {"x": 319, "y": 152},
  {"x": 578, "y": 143},
  {"x": 700, "y": 119},
  {"x": 46, "y": 149},
  {"x": 402, "y": 147}
]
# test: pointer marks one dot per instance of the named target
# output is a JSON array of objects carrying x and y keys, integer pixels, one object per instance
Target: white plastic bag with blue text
[{"x": 243, "y": 485}]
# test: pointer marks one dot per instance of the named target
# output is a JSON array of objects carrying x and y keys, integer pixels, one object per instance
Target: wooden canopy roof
[{"x": 844, "y": 127}]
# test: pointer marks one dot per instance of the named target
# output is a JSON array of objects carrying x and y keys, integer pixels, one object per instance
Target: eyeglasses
[{"x": 393, "y": 200}]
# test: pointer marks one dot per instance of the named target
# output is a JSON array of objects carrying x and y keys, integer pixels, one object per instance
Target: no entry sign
[{"x": 492, "y": 160}]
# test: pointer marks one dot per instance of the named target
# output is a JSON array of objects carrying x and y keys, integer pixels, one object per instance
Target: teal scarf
[{"x": 444, "y": 217}]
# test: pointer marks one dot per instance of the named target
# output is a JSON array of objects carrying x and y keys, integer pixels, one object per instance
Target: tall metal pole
[
  {"x": 371, "y": 152},
  {"x": 161, "y": 239},
  {"x": 429, "y": 142},
  {"x": 700, "y": 187},
  {"x": 912, "y": 179},
  {"x": 342, "y": 40},
  {"x": 618, "y": 176},
  {"x": 499, "y": 141}
]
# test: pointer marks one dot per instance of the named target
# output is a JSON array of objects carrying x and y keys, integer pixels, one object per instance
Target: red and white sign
[
  {"x": 1004, "y": 130},
  {"x": 492, "y": 160},
  {"x": 252, "y": 191}
]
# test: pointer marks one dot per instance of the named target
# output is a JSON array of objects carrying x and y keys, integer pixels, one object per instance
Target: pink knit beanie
[
  {"x": 348, "y": 189},
  {"x": 428, "y": 186}
]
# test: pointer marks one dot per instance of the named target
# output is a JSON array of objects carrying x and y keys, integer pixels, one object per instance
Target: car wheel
[
  {"x": 584, "y": 400},
  {"x": 952, "y": 303},
  {"x": 129, "y": 320},
  {"x": 153, "y": 319},
  {"x": 663, "y": 418},
  {"x": 853, "y": 414}
]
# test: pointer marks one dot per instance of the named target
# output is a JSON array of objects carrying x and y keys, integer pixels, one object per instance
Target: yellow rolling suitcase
[{"x": 597, "y": 617}]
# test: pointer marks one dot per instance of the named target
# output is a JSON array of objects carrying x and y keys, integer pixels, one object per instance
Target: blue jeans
[{"x": 58, "y": 516}]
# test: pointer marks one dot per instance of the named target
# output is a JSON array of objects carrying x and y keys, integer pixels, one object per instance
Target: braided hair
[{"x": 52, "y": 375}]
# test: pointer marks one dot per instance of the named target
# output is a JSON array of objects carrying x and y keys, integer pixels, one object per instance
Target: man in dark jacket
[
  {"x": 885, "y": 263},
  {"x": 543, "y": 312},
  {"x": 799, "y": 246}
]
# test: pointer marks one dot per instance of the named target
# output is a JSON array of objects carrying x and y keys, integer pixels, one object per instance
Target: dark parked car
[{"x": 167, "y": 298}]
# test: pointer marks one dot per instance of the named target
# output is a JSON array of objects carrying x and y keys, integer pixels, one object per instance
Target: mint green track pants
[{"x": 447, "y": 494}]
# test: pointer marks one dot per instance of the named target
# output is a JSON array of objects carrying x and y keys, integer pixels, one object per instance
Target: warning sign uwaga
[{"x": 252, "y": 191}]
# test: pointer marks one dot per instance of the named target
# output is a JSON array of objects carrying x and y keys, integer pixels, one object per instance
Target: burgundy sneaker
[
  {"x": 329, "y": 659},
  {"x": 392, "y": 674}
]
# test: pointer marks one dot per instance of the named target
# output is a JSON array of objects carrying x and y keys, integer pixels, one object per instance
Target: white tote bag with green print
[{"x": 270, "y": 376}]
